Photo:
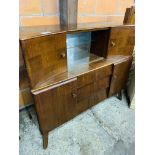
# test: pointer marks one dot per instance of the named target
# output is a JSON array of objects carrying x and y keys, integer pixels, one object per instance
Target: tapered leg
[{"x": 45, "y": 140}]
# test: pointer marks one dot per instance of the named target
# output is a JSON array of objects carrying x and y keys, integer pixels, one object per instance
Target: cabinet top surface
[{"x": 29, "y": 32}]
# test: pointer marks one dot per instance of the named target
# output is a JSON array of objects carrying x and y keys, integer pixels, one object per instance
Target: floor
[{"x": 105, "y": 129}]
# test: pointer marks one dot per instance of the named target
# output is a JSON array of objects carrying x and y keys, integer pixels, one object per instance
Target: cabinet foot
[
  {"x": 127, "y": 96},
  {"x": 119, "y": 96},
  {"x": 45, "y": 140}
]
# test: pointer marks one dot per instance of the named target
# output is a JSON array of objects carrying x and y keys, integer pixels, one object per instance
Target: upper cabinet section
[
  {"x": 122, "y": 40},
  {"x": 45, "y": 57},
  {"x": 67, "y": 52}
]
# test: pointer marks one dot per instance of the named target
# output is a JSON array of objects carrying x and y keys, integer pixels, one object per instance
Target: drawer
[
  {"x": 84, "y": 104},
  {"x": 102, "y": 83},
  {"x": 101, "y": 95},
  {"x": 103, "y": 72},
  {"x": 85, "y": 79},
  {"x": 85, "y": 92}
]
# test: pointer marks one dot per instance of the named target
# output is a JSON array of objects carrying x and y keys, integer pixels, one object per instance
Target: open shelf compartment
[{"x": 86, "y": 47}]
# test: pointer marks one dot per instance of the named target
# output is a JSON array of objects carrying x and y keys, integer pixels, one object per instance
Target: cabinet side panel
[{"x": 120, "y": 76}]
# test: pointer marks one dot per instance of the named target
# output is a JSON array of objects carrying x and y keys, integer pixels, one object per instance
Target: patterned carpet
[{"x": 105, "y": 129}]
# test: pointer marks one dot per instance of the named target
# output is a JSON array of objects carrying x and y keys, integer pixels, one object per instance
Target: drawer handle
[
  {"x": 74, "y": 95},
  {"x": 63, "y": 55},
  {"x": 113, "y": 44}
]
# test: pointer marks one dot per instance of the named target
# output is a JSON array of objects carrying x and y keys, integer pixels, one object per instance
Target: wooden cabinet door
[
  {"x": 56, "y": 105},
  {"x": 122, "y": 40},
  {"x": 120, "y": 76},
  {"x": 45, "y": 57}
]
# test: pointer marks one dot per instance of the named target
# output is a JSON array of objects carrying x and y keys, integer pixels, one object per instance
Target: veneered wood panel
[
  {"x": 85, "y": 92},
  {"x": 23, "y": 79},
  {"x": 85, "y": 97},
  {"x": 122, "y": 40},
  {"x": 21, "y": 60},
  {"x": 56, "y": 106},
  {"x": 84, "y": 104},
  {"x": 102, "y": 83},
  {"x": 120, "y": 75},
  {"x": 85, "y": 79},
  {"x": 45, "y": 57},
  {"x": 103, "y": 72},
  {"x": 25, "y": 97},
  {"x": 100, "y": 95}
]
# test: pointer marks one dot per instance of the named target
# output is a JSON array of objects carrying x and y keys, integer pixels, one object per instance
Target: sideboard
[{"x": 72, "y": 68}]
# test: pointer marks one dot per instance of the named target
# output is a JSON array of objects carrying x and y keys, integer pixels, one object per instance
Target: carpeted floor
[{"x": 105, "y": 129}]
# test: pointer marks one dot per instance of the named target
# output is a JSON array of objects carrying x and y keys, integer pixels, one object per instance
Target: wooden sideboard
[{"x": 67, "y": 80}]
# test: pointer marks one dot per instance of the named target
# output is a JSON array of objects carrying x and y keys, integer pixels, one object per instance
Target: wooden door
[
  {"x": 122, "y": 40},
  {"x": 120, "y": 76},
  {"x": 56, "y": 105},
  {"x": 45, "y": 57}
]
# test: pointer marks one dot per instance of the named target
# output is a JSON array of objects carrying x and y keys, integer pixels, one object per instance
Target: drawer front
[
  {"x": 85, "y": 92},
  {"x": 56, "y": 106},
  {"x": 103, "y": 72},
  {"x": 84, "y": 97},
  {"x": 102, "y": 83},
  {"x": 85, "y": 79},
  {"x": 84, "y": 104},
  {"x": 101, "y": 95}
]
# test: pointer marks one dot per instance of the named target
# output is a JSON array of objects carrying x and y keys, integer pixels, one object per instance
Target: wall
[
  {"x": 38, "y": 12},
  {"x": 111, "y": 11},
  {"x": 46, "y": 12}
]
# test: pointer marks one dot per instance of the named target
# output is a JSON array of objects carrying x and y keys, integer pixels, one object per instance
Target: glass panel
[{"x": 78, "y": 49}]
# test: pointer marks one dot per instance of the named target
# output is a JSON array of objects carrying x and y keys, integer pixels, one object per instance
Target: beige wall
[{"x": 46, "y": 12}]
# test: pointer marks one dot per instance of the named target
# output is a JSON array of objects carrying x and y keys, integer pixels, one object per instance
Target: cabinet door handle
[
  {"x": 63, "y": 55},
  {"x": 113, "y": 44},
  {"x": 74, "y": 95}
]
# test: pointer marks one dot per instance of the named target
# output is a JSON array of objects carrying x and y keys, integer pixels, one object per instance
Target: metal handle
[
  {"x": 113, "y": 44},
  {"x": 74, "y": 95}
]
